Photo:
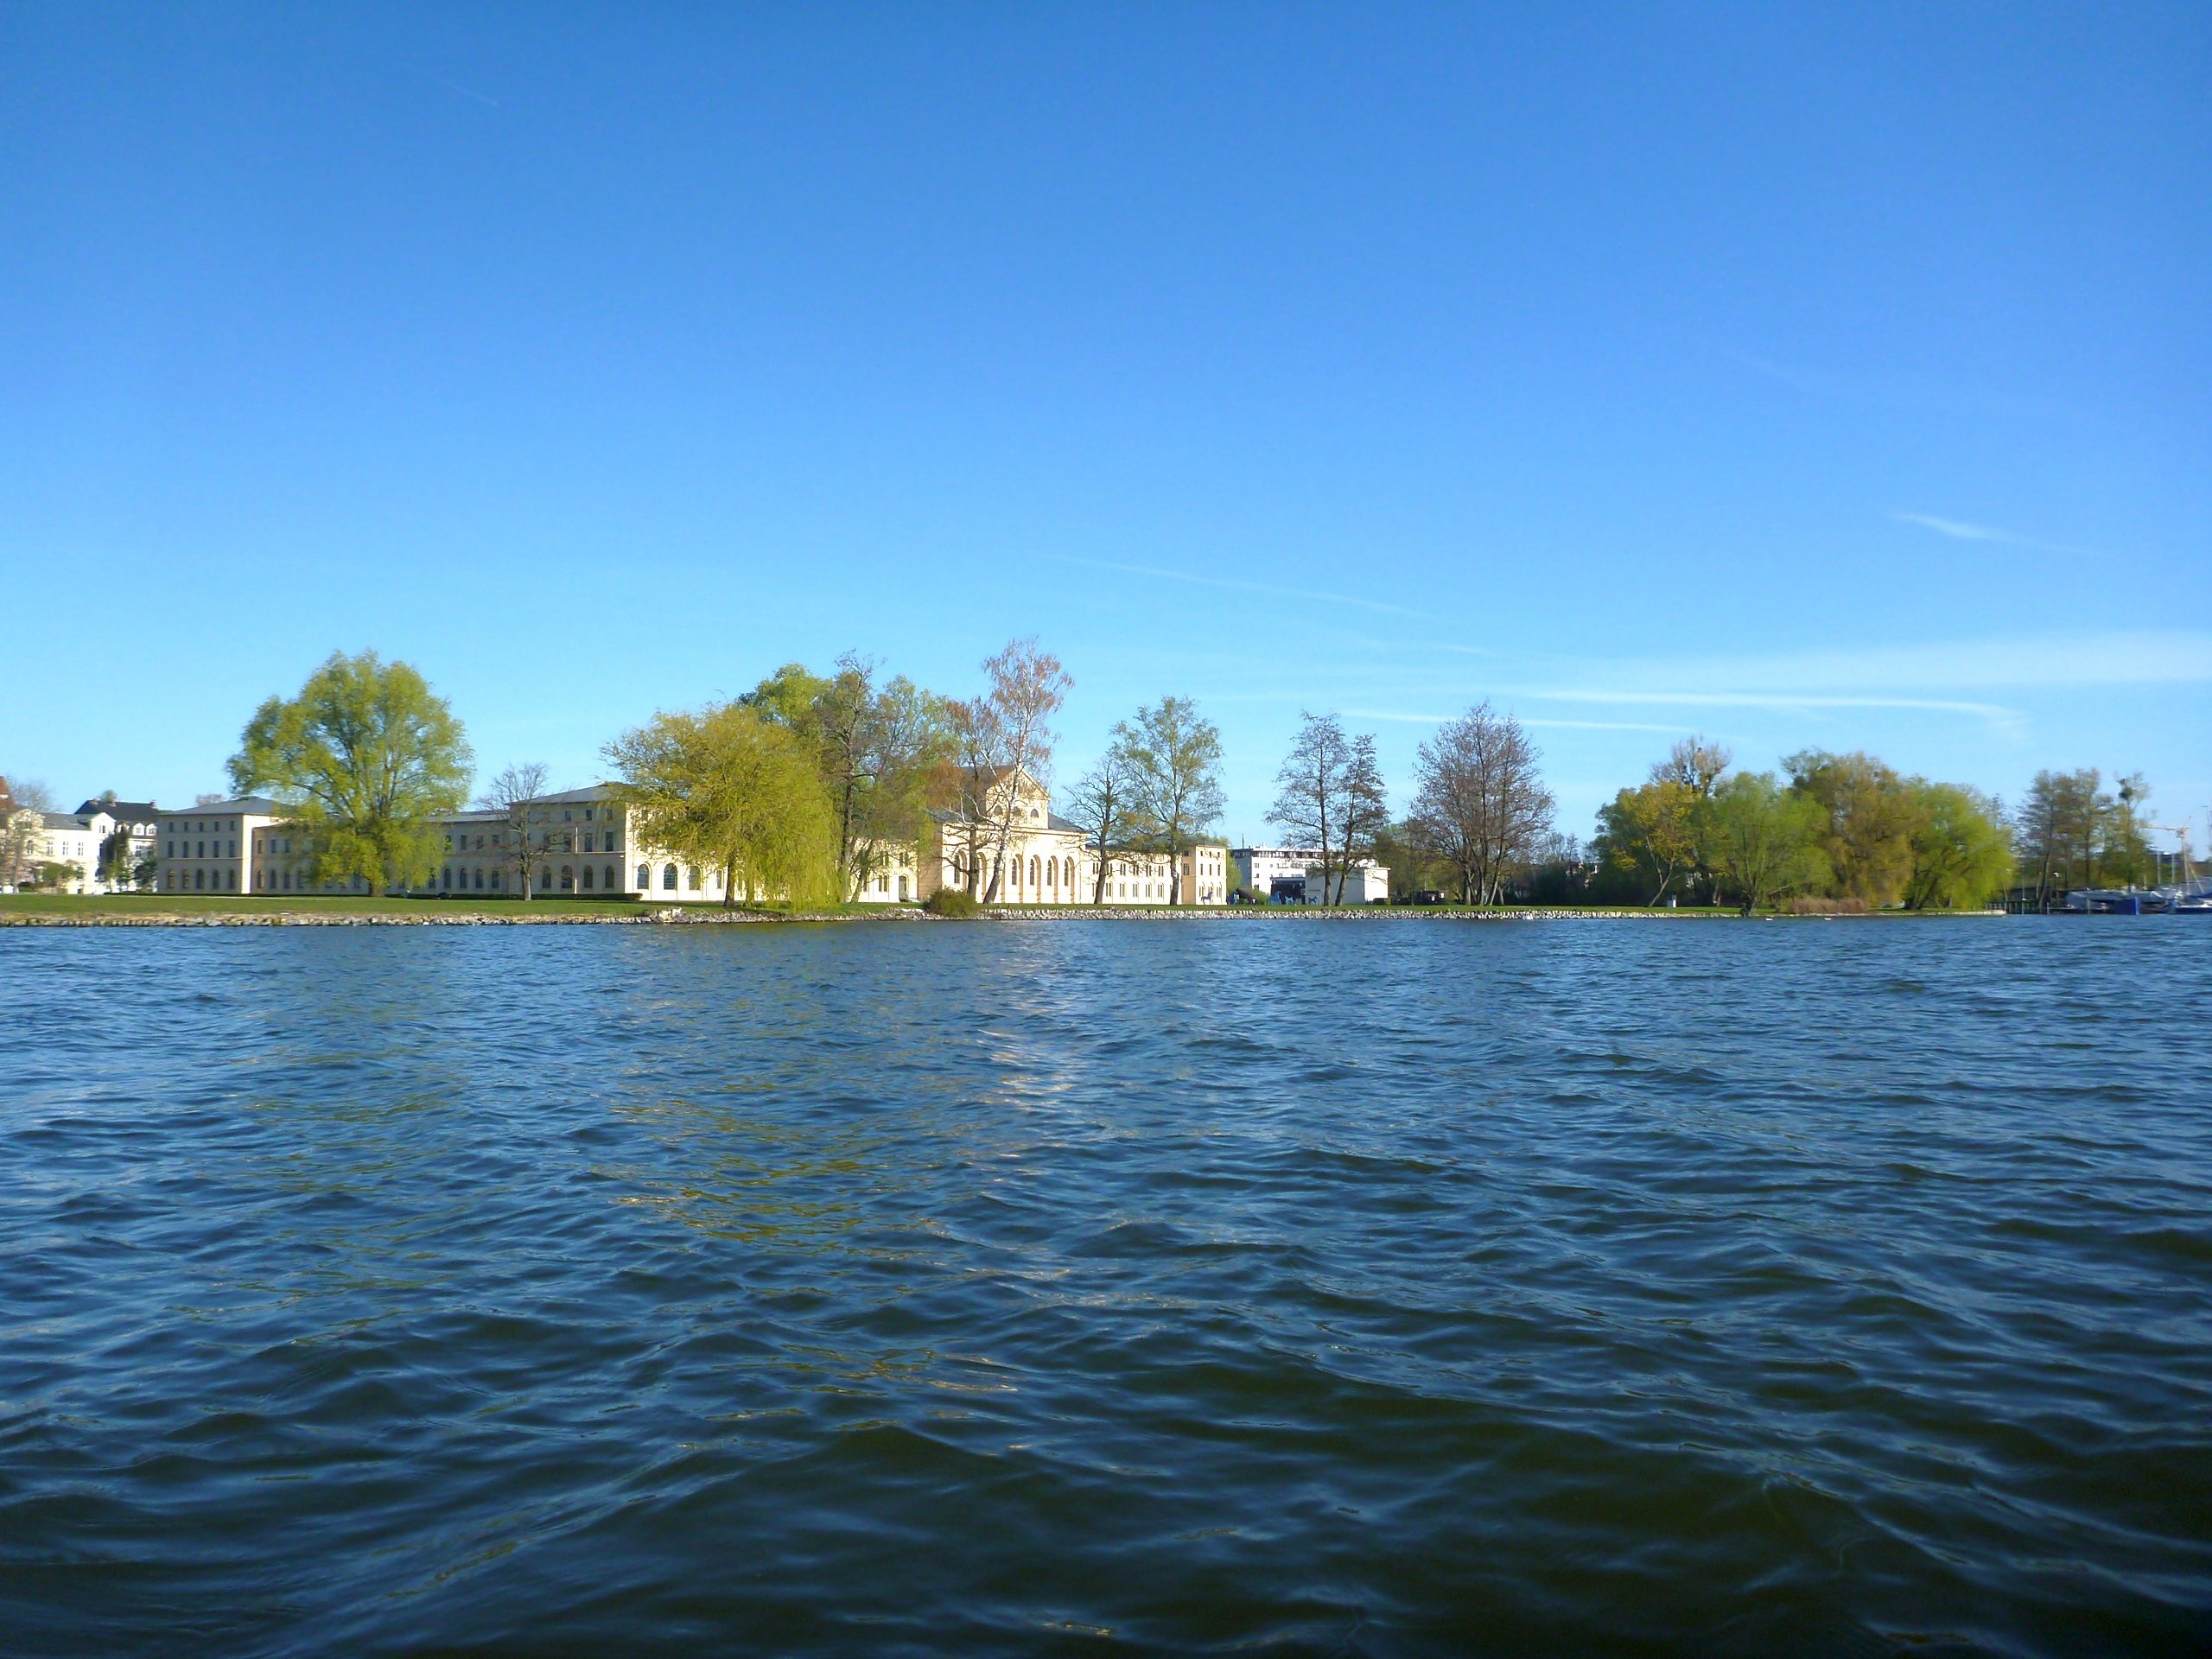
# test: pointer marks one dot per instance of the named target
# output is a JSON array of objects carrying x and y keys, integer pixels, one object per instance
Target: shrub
[{"x": 951, "y": 901}]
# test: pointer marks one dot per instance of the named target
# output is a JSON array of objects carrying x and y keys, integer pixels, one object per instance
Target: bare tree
[
  {"x": 510, "y": 795},
  {"x": 1103, "y": 806},
  {"x": 1696, "y": 763},
  {"x": 973, "y": 772},
  {"x": 1478, "y": 804},
  {"x": 22, "y": 833},
  {"x": 36, "y": 794},
  {"x": 1310, "y": 788},
  {"x": 1175, "y": 756},
  {"x": 1027, "y": 687},
  {"x": 1366, "y": 809},
  {"x": 1330, "y": 797}
]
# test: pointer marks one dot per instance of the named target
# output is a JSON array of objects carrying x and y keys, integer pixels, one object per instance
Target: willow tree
[
  {"x": 1762, "y": 839},
  {"x": 361, "y": 761},
  {"x": 731, "y": 789},
  {"x": 1961, "y": 851},
  {"x": 1873, "y": 817}
]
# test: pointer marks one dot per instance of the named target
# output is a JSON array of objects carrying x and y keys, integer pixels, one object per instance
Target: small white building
[{"x": 1292, "y": 875}]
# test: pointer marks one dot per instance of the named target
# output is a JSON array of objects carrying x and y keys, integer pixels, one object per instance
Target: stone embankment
[{"x": 671, "y": 916}]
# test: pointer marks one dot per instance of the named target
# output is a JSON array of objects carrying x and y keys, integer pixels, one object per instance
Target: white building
[
  {"x": 1292, "y": 875},
  {"x": 1047, "y": 860},
  {"x": 586, "y": 843},
  {"x": 574, "y": 843},
  {"x": 81, "y": 841},
  {"x": 579, "y": 842}
]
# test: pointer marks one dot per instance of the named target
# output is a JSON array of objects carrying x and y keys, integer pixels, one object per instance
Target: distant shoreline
[{"x": 674, "y": 916}]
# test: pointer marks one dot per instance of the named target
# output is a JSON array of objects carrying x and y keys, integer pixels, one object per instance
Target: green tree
[
  {"x": 880, "y": 749},
  {"x": 1762, "y": 840},
  {"x": 1173, "y": 758},
  {"x": 1651, "y": 831},
  {"x": 361, "y": 760},
  {"x": 1962, "y": 849},
  {"x": 1697, "y": 763},
  {"x": 118, "y": 864},
  {"x": 1870, "y": 815},
  {"x": 730, "y": 789}
]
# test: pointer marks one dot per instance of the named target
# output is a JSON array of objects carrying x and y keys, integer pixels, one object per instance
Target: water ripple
[{"x": 1137, "y": 1288}]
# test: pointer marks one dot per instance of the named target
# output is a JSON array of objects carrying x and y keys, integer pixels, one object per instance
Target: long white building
[{"x": 586, "y": 842}]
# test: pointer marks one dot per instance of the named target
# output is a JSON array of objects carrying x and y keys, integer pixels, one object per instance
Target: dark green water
[{"x": 1390, "y": 1288}]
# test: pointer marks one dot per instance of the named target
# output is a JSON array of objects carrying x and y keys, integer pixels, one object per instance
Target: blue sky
[{"x": 1806, "y": 376}]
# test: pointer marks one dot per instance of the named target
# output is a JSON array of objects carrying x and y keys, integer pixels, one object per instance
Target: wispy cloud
[
  {"x": 455, "y": 86},
  {"x": 1677, "y": 699},
  {"x": 1398, "y": 717},
  {"x": 1268, "y": 588},
  {"x": 1959, "y": 530}
]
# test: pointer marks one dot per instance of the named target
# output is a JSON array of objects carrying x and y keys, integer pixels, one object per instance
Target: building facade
[
  {"x": 587, "y": 843},
  {"x": 1292, "y": 875},
  {"x": 1047, "y": 860}
]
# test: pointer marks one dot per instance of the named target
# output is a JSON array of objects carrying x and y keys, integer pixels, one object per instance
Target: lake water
[{"x": 1280, "y": 1287}]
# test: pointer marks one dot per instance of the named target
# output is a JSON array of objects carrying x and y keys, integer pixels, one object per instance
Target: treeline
[
  {"x": 1847, "y": 829},
  {"x": 1829, "y": 830},
  {"x": 811, "y": 786}
]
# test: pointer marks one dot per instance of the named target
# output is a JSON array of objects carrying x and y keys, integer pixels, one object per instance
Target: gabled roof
[
  {"x": 63, "y": 821},
  {"x": 122, "y": 811}
]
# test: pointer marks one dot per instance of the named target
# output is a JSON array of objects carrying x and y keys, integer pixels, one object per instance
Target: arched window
[
  {"x": 613, "y": 877},
  {"x": 645, "y": 877},
  {"x": 567, "y": 878},
  {"x": 1067, "y": 865},
  {"x": 695, "y": 880},
  {"x": 1032, "y": 873},
  {"x": 445, "y": 879},
  {"x": 668, "y": 878},
  {"x": 199, "y": 879},
  {"x": 544, "y": 879},
  {"x": 587, "y": 878}
]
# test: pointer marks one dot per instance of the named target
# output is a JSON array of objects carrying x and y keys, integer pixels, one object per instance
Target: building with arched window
[{"x": 1019, "y": 851}]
